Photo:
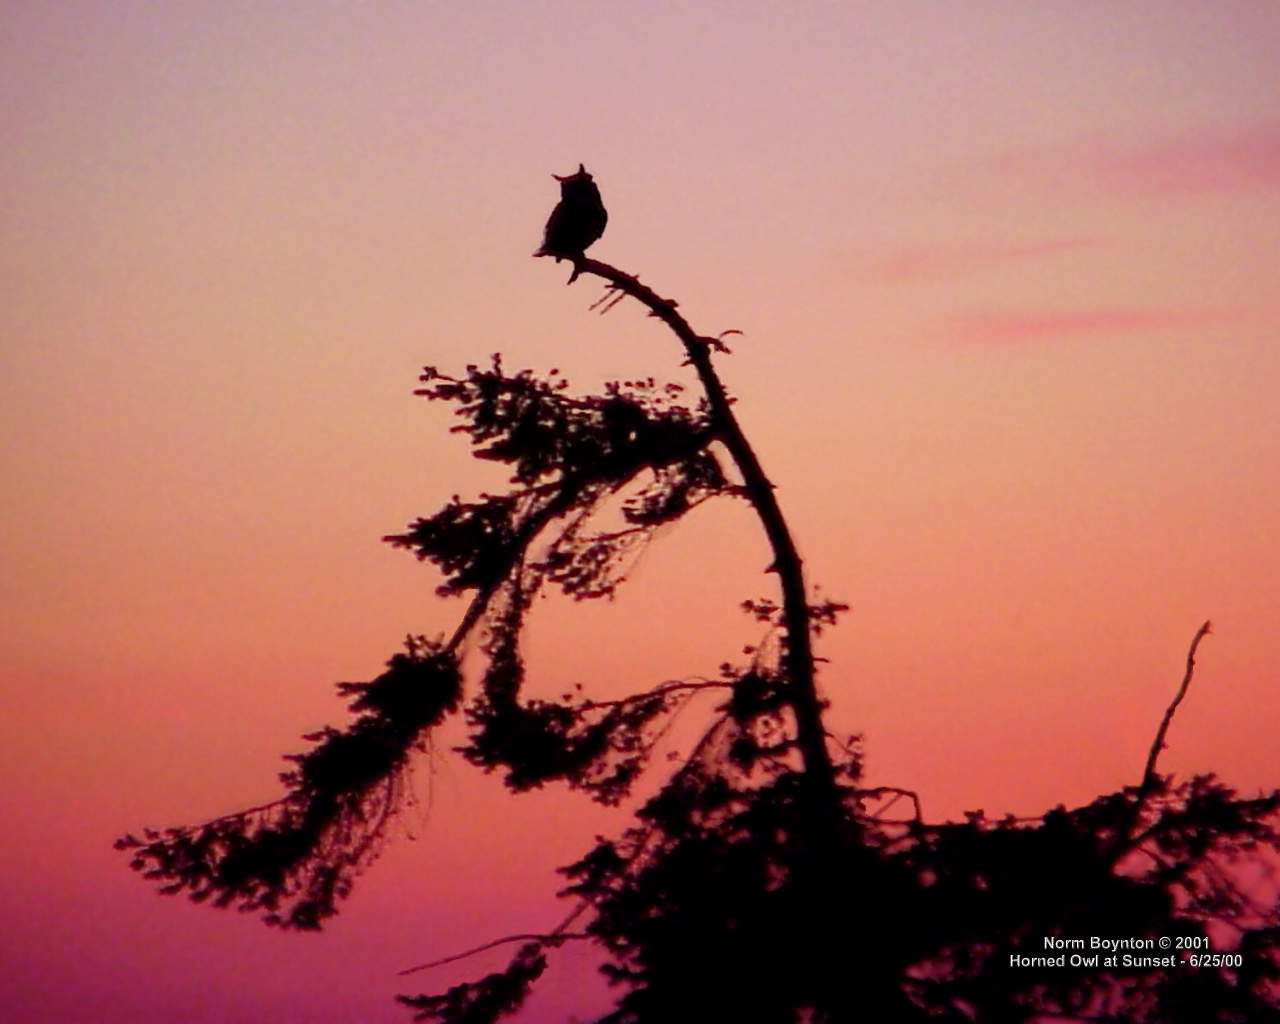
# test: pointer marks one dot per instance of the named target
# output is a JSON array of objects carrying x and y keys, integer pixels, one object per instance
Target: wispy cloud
[
  {"x": 1199, "y": 165},
  {"x": 1207, "y": 162},
  {"x": 1036, "y": 325},
  {"x": 964, "y": 257}
]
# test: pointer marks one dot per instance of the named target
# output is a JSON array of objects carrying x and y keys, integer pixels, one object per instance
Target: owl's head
[
  {"x": 579, "y": 175},
  {"x": 576, "y": 184}
]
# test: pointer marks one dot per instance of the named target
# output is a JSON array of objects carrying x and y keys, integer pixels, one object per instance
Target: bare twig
[
  {"x": 1127, "y": 837},
  {"x": 658, "y": 691},
  {"x": 1158, "y": 744},
  {"x": 548, "y": 939},
  {"x": 897, "y": 794}
]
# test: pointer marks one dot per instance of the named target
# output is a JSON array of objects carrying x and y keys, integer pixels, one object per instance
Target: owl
[{"x": 578, "y": 219}]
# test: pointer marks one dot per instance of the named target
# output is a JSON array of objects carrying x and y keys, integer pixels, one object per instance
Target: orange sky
[{"x": 1008, "y": 284}]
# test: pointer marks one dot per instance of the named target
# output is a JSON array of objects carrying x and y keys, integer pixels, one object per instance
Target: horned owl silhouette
[{"x": 578, "y": 219}]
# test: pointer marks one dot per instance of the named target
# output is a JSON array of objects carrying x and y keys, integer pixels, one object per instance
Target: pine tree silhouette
[{"x": 762, "y": 882}]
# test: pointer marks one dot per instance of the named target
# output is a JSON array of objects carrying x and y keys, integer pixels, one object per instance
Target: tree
[{"x": 761, "y": 881}]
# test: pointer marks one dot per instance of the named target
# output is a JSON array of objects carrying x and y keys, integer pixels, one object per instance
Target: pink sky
[{"x": 1008, "y": 284}]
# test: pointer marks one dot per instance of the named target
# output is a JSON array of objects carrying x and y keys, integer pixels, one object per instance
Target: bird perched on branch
[{"x": 578, "y": 219}]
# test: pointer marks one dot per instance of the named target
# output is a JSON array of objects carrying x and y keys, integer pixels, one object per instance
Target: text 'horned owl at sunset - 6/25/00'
[{"x": 578, "y": 219}]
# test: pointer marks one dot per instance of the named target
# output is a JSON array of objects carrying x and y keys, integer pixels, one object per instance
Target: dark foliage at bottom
[{"x": 727, "y": 902}]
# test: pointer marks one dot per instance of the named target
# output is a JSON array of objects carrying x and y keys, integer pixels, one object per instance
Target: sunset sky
[{"x": 1008, "y": 280}]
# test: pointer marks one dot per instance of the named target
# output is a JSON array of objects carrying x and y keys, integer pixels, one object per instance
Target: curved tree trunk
[{"x": 798, "y": 657}]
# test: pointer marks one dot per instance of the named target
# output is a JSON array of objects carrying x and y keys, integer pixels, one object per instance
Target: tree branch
[
  {"x": 799, "y": 662},
  {"x": 897, "y": 794},
  {"x": 1126, "y": 837},
  {"x": 658, "y": 691},
  {"x": 1157, "y": 745},
  {"x": 548, "y": 939}
]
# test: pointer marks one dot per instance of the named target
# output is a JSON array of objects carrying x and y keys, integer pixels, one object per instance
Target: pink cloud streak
[
  {"x": 1013, "y": 327},
  {"x": 1212, "y": 161},
  {"x": 945, "y": 260},
  {"x": 1199, "y": 165}
]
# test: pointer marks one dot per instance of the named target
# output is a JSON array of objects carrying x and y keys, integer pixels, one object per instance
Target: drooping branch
[
  {"x": 293, "y": 860},
  {"x": 798, "y": 658},
  {"x": 568, "y": 455}
]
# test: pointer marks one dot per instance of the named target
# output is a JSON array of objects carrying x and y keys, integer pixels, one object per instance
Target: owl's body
[{"x": 578, "y": 219}]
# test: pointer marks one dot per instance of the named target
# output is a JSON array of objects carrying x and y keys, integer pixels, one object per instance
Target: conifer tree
[{"x": 762, "y": 881}]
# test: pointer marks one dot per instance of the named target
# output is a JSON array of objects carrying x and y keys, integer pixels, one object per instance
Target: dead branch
[
  {"x": 1158, "y": 744},
  {"x": 895, "y": 793},
  {"x": 1127, "y": 837},
  {"x": 548, "y": 939}
]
